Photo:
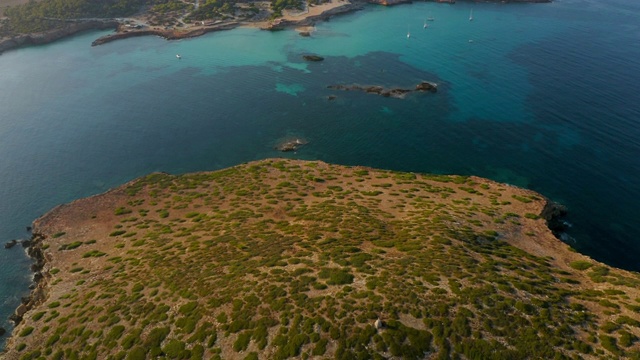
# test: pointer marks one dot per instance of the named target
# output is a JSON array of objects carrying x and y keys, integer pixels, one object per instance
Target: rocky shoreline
[
  {"x": 53, "y": 35},
  {"x": 167, "y": 34},
  {"x": 39, "y": 287},
  {"x": 37, "y": 251},
  {"x": 40, "y": 278}
]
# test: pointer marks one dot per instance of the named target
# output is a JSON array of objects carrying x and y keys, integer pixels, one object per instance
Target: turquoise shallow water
[{"x": 546, "y": 96}]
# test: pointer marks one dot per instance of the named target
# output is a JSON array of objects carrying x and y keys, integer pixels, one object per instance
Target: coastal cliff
[{"x": 278, "y": 258}]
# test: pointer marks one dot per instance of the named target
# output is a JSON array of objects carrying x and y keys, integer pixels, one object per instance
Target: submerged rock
[
  {"x": 398, "y": 93},
  {"x": 10, "y": 244},
  {"x": 291, "y": 145},
  {"x": 427, "y": 86},
  {"x": 312, "y": 58}
]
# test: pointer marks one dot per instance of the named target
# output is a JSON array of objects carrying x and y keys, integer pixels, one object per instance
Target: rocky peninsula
[{"x": 279, "y": 259}]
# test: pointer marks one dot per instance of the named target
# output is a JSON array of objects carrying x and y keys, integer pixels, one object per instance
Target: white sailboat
[
  {"x": 471, "y": 15},
  {"x": 425, "y": 24},
  {"x": 408, "y": 32}
]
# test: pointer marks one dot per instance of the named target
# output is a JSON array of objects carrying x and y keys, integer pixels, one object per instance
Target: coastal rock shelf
[
  {"x": 170, "y": 34},
  {"x": 398, "y": 93},
  {"x": 279, "y": 259}
]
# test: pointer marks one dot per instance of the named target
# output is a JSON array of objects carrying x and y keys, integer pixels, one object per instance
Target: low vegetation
[{"x": 264, "y": 261}]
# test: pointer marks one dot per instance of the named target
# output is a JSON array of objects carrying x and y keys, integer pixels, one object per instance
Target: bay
[{"x": 543, "y": 96}]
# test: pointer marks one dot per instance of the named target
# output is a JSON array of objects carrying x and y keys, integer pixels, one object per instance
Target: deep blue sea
[{"x": 543, "y": 96}]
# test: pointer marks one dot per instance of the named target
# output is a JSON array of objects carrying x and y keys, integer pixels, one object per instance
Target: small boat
[
  {"x": 178, "y": 56},
  {"x": 425, "y": 25},
  {"x": 430, "y": 18},
  {"x": 471, "y": 15},
  {"x": 408, "y": 33}
]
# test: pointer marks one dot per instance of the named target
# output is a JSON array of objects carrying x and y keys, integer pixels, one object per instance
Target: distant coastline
[{"x": 123, "y": 31}]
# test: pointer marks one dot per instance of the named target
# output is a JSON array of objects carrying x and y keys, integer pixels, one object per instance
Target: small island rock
[
  {"x": 291, "y": 145},
  {"x": 398, "y": 93},
  {"x": 10, "y": 244},
  {"x": 427, "y": 86}
]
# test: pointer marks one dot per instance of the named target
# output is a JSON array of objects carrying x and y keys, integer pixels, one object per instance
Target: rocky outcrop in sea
[{"x": 388, "y": 92}]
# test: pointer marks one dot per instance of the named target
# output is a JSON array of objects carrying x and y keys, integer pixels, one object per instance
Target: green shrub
[
  {"x": 242, "y": 342},
  {"x": 70, "y": 246},
  {"x": 610, "y": 344},
  {"x": 580, "y": 264},
  {"x": 93, "y": 253},
  {"x": 336, "y": 276},
  {"x": 174, "y": 348},
  {"x": 54, "y": 304},
  {"x": 251, "y": 356},
  {"x": 188, "y": 308},
  {"x": 122, "y": 211},
  {"x": 137, "y": 353},
  {"x": 320, "y": 348},
  {"x": 26, "y": 331},
  {"x": 521, "y": 198}
]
